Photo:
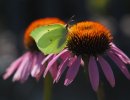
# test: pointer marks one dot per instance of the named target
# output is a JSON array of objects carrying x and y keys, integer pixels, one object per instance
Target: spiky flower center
[
  {"x": 28, "y": 40},
  {"x": 88, "y": 38}
]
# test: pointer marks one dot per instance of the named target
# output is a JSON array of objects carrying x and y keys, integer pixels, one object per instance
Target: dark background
[{"x": 15, "y": 16}]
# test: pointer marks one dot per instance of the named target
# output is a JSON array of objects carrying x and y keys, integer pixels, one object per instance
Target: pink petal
[
  {"x": 19, "y": 72},
  {"x": 30, "y": 65},
  {"x": 27, "y": 69},
  {"x": 82, "y": 62},
  {"x": 37, "y": 68},
  {"x": 13, "y": 67},
  {"x": 107, "y": 71},
  {"x": 64, "y": 56},
  {"x": 48, "y": 57},
  {"x": 93, "y": 73},
  {"x": 26, "y": 72},
  {"x": 120, "y": 64},
  {"x": 34, "y": 66},
  {"x": 40, "y": 70},
  {"x": 71, "y": 61},
  {"x": 73, "y": 70},
  {"x": 120, "y": 54},
  {"x": 54, "y": 60},
  {"x": 35, "y": 59},
  {"x": 53, "y": 70},
  {"x": 62, "y": 68},
  {"x": 38, "y": 76}
]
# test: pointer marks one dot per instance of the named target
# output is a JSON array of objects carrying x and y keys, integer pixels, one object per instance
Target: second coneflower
[
  {"x": 30, "y": 62},
  {"x": 87, "y": 42}
]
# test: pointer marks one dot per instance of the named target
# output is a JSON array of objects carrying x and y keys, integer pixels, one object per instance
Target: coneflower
[
  {"x": 30, "y": 61},
  {"x": 87, "y": 42}
]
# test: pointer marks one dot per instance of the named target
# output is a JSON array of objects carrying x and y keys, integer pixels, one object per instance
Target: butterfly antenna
[{"x": 69, "y": 21}]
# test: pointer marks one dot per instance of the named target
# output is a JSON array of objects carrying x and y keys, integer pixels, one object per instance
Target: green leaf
[{"x": 50, "y": 38}]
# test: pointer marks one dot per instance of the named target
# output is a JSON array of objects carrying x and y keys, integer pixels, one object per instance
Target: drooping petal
[
  {"x": 73, "y": 70},
  {"x": 13, "y": 67},
  {"x": 48, "y": 57},
  {"x": 62, "y": 68},
  {"x": 18, "y": 75},
  {"x": 120, "y": 54},
  {"x": 38, "y": 76},
  {"x": 121, "y": 57},
  {"x": 54, "y": 60},
  {"x": 26, "y": 72},
  {"x": 93, "y": 73},
  {"x": 40, "y": 70},
  {"x": 27, "y": 68},
  {"x": 107, "y": 71},
  {"x": 53, "y": 70},
  {"x": 82, "y": 62},
  {"x": 64, "y": 56},
  {"x": 119, "y": 63},
  {"x": 35, "y": 57},
  {"x": 37, "y": 68},
  {"x": 71, "y": 61}
]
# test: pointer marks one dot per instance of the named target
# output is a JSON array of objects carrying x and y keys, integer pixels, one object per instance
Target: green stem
[
  {"x": 101, "y": 93},
  {"x": 47, "y": 87}
]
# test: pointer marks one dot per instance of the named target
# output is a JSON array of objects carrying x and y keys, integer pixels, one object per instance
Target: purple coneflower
[
  {"x": 30, "y": 62},
  {"x": 87, "y": 42}
]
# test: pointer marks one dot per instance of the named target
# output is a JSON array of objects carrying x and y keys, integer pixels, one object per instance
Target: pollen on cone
[{"x": 88, "y": 38}]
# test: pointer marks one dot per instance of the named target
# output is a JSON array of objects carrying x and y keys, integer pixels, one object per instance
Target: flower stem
[
  {"x": 47, "y": 88},
  {"x": 101, "y": 93}
]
